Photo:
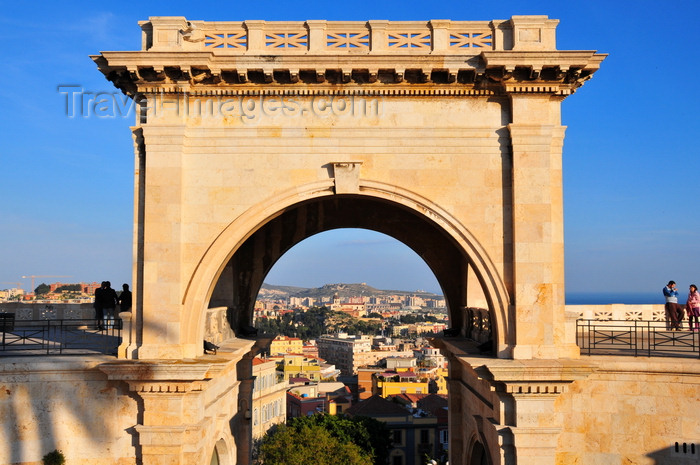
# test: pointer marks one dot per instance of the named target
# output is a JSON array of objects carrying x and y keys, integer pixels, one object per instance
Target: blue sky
[{"x": 631, "y": 178}]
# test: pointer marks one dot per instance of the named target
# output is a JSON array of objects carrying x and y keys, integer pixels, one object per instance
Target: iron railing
[
  {"x": 59, "y": 337},
  {"x": 638, "y": 338}
]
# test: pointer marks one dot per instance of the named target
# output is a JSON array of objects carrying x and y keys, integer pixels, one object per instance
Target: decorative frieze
[
  {"x": 436, "y": 57},
  {"x": 525, "y": 388}
]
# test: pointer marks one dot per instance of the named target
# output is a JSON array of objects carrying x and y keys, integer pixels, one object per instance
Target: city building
[
  {"x": 346, "y": 352},
  {"x": 269, "y": 396},
  {"x": 401, "y": 363},
  {"x": 300, "y": 366},
  {"x": 430, "y": 357},
  {"x": 364, "y": 380},
  {"x": 286, "y": 345},
  {"x": 389, "y": 383},
  {"x": 308, "y": 398},
  {"x": 414, "y": 435}
]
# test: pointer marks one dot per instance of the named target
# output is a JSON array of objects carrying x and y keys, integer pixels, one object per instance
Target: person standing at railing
[
  {"x": 125, "y": 299},
  {"x": 99, "y": 310},
  {"x": 107, "y": 299},
  {"x": 674, "y": 311},
  {"x": 692, "y": 307}
]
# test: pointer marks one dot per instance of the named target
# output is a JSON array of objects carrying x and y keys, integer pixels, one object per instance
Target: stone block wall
[
  {"x": 599, "y": 410},
  {"x": 641, "y": 411},
  {"x": 98, "y": 410},
  {"x": 66, "y": 404}
]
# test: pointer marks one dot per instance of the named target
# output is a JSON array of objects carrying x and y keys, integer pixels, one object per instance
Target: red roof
[{"x": 412, "y": 399}]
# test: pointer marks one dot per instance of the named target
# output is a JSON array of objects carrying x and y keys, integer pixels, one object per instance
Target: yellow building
[
  {"x": 390, "y": 383},
  {"x": 441, "y": 380},
  {"x": 286, "y": 345},
  {"x": 299, "y": 366},
  {"x": 269, "y": 396}
]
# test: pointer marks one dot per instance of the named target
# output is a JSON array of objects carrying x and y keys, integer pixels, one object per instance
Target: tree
[
  {"x": 69, "y": 288},
  {"x": 309, "y": 444},
  {"x": 42, "y": 289},
  {"x": 372, "y": 436}
]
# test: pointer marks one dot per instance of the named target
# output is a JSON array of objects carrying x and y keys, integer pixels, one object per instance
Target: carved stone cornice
[
  {"x": 534, "y": 377},
  {"x": 200, "y": 73},
  {"x": 439, "y": 57},
  {"x": 177, "y": 377}
]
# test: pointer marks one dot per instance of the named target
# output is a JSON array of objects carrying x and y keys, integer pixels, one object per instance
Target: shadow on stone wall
[
  {"x": 681, "y": 453},
  {"x": 66, "y": 403}
]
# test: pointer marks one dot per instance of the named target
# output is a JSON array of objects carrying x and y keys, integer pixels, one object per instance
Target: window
[
  {"x": 424, "y": 436},
  {"x": 397, "y": 460},
  {"x": 397, "y": 437},
  {"x": 443, "y": 436}
]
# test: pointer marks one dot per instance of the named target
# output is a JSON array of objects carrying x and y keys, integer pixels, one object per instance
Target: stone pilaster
[
  {"x": 188, "y": 406},
  {"x": 172, "y": 426},
  {"x": 509, "y": 406},
  {"x": 159, "y": 325},
  {"x": 527, "y": 393},
  {"x": 538, "y": 225}
]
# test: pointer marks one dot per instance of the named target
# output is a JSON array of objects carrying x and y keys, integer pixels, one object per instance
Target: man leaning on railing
[{"x": 674, "y": 311}]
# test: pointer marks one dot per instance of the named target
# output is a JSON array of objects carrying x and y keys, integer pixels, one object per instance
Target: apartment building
[
  {"x": 299, "y": 366},
  {"x": 286, "y": 345},
  {"x": 269, "y": 396},
  {"x": 346, "y": 352}
]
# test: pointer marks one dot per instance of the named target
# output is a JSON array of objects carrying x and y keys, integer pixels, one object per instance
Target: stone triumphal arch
[
  {"x": 252, "y": 136},
  {"x": 254, "y": 131}
]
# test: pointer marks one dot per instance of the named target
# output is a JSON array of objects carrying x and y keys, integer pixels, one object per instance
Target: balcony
[
  {"x": 636, "y": 338},
  {"x": 58, "y": 337}
]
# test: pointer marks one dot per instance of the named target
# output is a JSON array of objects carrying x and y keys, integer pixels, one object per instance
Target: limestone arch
[
  {"x": 206, "y": 274},
  {"x": 478, "y": 453},
  {"x": 223, "y": 453}
]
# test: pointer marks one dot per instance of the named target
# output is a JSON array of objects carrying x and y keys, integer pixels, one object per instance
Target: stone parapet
[
  {"x": 162, "y": 33},
  {"x": 620, "y": 312},
  {"x": 53, "y": 311}
]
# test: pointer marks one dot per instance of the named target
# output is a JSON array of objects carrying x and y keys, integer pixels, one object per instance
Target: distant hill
[{"x": 343, "y": 290}]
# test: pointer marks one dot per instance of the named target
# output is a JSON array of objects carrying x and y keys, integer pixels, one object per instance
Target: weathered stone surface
[{"x": 607, "y": 410}]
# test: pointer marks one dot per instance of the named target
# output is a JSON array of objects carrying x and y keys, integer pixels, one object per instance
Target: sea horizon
[{"x": 605, "y": 298}]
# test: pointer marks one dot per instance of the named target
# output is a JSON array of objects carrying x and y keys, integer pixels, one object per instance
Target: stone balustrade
[
  {"x": 619, "y": 312},
  {"x": 43, "y": 311},
  {"x": 525, "y": 33},
  {"x": 216, "y": 317}
]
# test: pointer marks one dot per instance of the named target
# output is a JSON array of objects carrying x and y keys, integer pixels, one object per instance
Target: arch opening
[
  {"x": 451, "y": 262},
  {"x": 356, "y": 280}
]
